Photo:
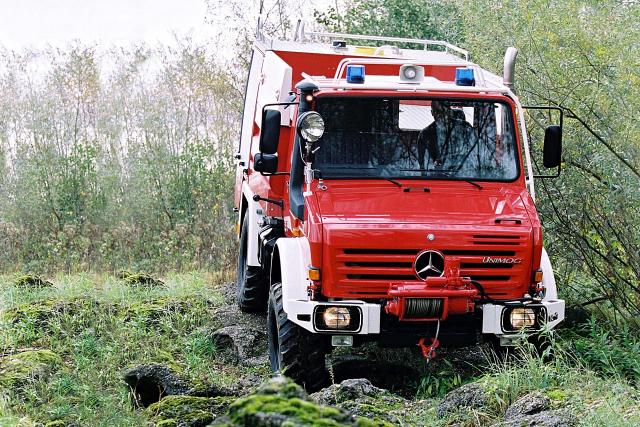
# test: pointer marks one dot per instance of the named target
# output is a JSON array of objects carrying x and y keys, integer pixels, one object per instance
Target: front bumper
[{"x": 302, "y": 313}]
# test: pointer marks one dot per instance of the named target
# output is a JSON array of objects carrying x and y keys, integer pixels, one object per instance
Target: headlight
[
  {"x": 310, "y": 126},
  {"x": 337, "y": 318},
  {"x": 522, "y": 318}
]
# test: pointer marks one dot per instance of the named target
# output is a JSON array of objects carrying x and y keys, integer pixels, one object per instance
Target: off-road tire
[
  {"x": 253, "y": 288},
  {"x": 293, "y": 350}
]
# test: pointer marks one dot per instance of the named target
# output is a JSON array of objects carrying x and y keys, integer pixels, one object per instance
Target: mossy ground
[
  {"x": 98, "y": 326},
  {"x": 193, "y": 411}
]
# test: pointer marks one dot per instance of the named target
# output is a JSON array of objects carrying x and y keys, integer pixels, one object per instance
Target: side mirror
[
  {"x": 265, "y": 163},
  {"x": 552, "y": 150},
  {"x": 270, "y": 132}
]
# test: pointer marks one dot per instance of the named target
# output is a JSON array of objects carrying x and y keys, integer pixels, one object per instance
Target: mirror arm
[{"x": 559, "y": 110}]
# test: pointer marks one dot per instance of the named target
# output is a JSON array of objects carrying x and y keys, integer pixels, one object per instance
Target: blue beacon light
[
  {"x": 355, "y": 73},
  {"x": 465, "y": 77}
]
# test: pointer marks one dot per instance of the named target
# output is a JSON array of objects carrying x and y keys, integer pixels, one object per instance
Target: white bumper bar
[{"x": 301, "y": 312}]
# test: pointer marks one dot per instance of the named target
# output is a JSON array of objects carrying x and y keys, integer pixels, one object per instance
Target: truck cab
[{"x": 387, "y": 194}]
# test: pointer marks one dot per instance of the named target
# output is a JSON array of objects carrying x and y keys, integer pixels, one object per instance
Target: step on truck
[{"x": 386, "y": 193}]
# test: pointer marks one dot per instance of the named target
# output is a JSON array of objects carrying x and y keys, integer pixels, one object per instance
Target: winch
[{"x": 435, "y": 298}]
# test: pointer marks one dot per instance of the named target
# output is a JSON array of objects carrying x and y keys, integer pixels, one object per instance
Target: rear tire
[
  {"x": 252, "y": 285},
  {"x": 294, "y": 350}
]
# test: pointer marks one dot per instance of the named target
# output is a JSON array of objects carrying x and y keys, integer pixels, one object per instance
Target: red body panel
[{"x": 372, "y": 232}]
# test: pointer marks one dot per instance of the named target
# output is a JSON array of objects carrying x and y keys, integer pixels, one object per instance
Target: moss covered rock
[
  {"x": 56, "y": 423},
  {"x": 139, "y": 279},
  {"x": 360, "y": 397},
  {"x": 281, "y": 402},
  {"x": 32, "y": 281},
  {"x": 19, "y": 368},
  {"x": 187, "y": 410},
  {"x": 150, "y": 382},
  {"x": 40, "y": 312},
  {"x": 153, "y": 310}
]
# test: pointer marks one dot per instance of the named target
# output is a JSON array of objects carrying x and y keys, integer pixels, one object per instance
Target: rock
[
  {"x": 393, "y": 376},
  {"x": 351, "y": 389},
  {"x": 468, "y": 396},
  {"x": 282, "y": 386},
  {"x": 187, "y": 411},
  {"x": 360, "y": 397},
  {"x": 575, "y": 316},
  {"x": 553, "y": 418},
  {"x": 243, "y": 345},
  {"x": 282, "y": 402},
  {"x": 32, "y": 281},
  {"x": 38, "y": 312},
  {"x": 20, "y": 368},
  {"x": 231, "y": 316},
  {"x": 139, "y": 279},
  {"x": 209, "y": 390},
  {"x": 149, "y": 383},
  {"x": 529, "y": 404},
  {"x": 42, "y": 312},
  {"x": 154, "y": 310}
]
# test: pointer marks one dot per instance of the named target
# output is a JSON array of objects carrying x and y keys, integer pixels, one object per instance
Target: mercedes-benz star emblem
[{"x": 429, "y": 264}]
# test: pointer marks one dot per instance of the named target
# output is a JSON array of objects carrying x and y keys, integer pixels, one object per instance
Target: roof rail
[{"x": 301, "y": 35}]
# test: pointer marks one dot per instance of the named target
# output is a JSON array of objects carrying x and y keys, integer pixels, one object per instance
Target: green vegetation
[
  {"x": 66, "y": 347},
  {"x": 116, "y": 160},
  {"x": 193, "y": 411}
]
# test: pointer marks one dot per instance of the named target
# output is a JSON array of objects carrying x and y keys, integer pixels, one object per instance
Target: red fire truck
[{"x": 387, "y": 194}]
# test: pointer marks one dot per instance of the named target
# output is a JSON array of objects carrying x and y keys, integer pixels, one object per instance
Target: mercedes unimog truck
[{"x": 387, "y": 194}]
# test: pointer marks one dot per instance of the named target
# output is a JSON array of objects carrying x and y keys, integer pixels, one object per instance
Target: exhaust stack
[{"x": 510, "y": 67}]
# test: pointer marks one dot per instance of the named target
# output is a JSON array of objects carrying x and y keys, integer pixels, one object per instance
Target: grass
[{"x": 101, "y": 325}]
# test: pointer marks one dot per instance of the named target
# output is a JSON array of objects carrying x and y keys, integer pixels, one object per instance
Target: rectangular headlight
[
  {"x": 337, "y": 318},
  {"x": 518, "y": 318}
]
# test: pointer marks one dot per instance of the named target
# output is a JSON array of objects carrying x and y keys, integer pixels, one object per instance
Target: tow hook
[{"x": 429, "y": 351}]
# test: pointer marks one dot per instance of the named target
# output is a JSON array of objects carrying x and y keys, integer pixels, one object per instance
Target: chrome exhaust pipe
[{"x": 510, "y": 67}]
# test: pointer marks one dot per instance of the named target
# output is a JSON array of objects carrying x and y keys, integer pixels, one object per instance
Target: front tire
[
  {"x": 292, "y": 349},
  {"x": 251, "y": 282}
]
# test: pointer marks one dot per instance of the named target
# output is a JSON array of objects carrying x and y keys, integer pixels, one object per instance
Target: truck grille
[{"x": 368, "y": 272}]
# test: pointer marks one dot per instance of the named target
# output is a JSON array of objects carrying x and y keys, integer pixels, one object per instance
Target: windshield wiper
[
  {"x": 393, "y": 181},
  {"x": 398, "y": 184},
  {"x": 447, "y": 173}
]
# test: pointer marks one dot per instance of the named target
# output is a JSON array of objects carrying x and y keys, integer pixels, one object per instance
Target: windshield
[{"x": 416, "y": 138}]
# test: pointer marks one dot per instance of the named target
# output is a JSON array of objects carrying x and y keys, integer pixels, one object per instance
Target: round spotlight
[{"x": 310, "y": 126}]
